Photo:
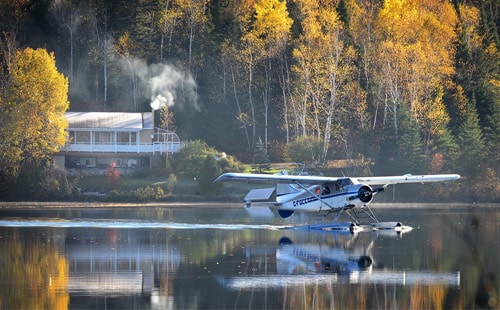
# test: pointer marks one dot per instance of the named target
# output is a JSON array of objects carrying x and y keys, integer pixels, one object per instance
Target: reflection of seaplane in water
[
  {"x": 337, "y": 195},
  {"x": 340, "y": 262},
  {"x": 316, "y": 259}
]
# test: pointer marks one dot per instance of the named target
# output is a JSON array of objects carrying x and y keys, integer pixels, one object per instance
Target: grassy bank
[{"x": 152, "y": 189}]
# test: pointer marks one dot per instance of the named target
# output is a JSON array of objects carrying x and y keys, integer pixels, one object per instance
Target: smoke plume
[{"x": 169, "y": 86}]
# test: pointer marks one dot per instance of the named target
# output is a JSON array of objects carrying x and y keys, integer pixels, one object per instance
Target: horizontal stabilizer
[{"x": 261, "y": 195}]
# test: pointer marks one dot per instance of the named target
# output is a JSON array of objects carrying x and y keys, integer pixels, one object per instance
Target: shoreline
[{"x": 106, "y": 205}]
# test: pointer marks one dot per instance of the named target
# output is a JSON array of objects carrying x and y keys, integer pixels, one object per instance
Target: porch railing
[{"x": 153, "y": 148}]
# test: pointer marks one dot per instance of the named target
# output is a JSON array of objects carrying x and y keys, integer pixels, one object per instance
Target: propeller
[{"x": 365, "y": 193}]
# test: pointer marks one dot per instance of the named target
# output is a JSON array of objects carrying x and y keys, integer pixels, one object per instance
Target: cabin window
[
  {"x": 344, "y": 182},
  {"x": 123, "y": 138},
  {"x": 103, "y": 137},
  {"x": 82, "y": 137},
  {"x": 126, "y": 138},
  {"x": 332, "y": 187},
  {"x": 90, "y": 162}
]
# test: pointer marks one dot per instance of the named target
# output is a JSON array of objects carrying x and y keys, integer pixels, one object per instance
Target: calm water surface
[{"x": 216, "y": 258}]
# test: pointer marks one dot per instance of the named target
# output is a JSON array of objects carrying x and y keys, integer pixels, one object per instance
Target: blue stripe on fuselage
[{"x": 309, "y": 199}]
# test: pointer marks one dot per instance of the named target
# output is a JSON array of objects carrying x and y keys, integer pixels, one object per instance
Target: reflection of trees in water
[
  {"x": 480, "y": 283},
  {"x": 39, "y": 274}
]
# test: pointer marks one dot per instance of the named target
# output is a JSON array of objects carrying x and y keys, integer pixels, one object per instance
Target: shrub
[
  {"x": 171, "y": 181},
  {"x": 305, "y": 149},
  {"x": 145, "y": 193},
  {"x": 159, "y": 193},
  {"x": 113, "y": 174},
  {"x": 209, "y": 172},
  {"x": 189, "y": 161}
]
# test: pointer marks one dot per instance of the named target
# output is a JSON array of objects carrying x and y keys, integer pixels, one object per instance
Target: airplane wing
[
  {"x": 275, "y": 178},
  {"x": 407, "y": 178},
  {"x": 303, "y": 179}
]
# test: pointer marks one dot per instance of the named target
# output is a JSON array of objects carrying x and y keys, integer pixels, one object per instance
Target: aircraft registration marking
[{"x": 303, "y": 201}]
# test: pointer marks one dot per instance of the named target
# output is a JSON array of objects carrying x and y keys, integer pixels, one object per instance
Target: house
[{"x": 129, "y": 140}]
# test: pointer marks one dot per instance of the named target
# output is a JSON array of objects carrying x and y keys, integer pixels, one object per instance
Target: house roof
[{"x": 113, "y": 120}]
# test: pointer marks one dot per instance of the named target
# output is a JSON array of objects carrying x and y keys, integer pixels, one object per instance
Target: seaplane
[{"x": 327, "y": 195}]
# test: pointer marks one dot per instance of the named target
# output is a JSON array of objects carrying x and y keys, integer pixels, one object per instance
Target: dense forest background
[{"x": 392, "y": 86}]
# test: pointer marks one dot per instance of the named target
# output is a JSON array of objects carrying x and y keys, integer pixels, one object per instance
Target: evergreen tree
[
  {"x": 492, "y": 135},
  {"x": 411, "y": 157},
  {"x": 472, "y": 153},
  {"x": 146, "y": 33},
  {"x": 445, "y": 150},
  {"x": 385, "y": 152},
  {"x": 260, "y": 157}
]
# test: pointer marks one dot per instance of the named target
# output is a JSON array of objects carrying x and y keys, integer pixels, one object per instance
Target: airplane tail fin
[
  {"x": 262, "y": 197},
  {"x": 268, "y": 196}
]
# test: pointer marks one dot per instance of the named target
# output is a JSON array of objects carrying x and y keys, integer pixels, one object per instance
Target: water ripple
[{"x": 136, "y": 224}]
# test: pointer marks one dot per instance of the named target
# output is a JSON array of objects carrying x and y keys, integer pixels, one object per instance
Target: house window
[
  {"x": 126, "y": 138},
  {"x": 82, "y": 137},
  {"x": 103, "y": 137},
  {"x": 123, "y": 138},
  {"x": 90, "y": 162}
]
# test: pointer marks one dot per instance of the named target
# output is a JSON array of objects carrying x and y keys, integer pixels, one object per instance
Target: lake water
[{"x": 207, "y": 257}]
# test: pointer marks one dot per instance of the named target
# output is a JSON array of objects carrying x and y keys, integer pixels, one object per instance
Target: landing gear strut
[{"x": 361, "y": 215}]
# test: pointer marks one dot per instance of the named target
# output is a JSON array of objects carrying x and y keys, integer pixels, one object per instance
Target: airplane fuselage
[{"x": 322, "y": 198}]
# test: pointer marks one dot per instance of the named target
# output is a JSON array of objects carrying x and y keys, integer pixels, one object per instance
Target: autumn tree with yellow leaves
[{"x": 32, "y": 122}]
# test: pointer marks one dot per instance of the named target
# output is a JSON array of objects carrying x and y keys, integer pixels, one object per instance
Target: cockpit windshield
[{"x": 344, "y": 182}]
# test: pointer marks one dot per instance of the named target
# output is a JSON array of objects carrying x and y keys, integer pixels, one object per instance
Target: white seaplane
[{"x": 327, "y": 195}]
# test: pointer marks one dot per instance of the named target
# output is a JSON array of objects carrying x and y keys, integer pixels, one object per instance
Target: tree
[
  {"x": 124, "y": 47},
  {"x": 167, "y": 120},
  {"x": 272, "y": 27},
  {"x": 260, "y": 157},
  {"x": 472, "y": 153},
  {"x": 305, "y": 150},
  {"x": 492, "y": 134},
  {"x": 13, "y": 14},
  {"x": 145, "y": 32},
  {"x": 188, "y": 162},
  {"x": 196, "y": 17},
  {"x": 416, "y": 55},
  {"x": 210, "y": 170},
  {"x": 325, "y": 67},
  {"x": 32, "y": 122},
  {"x": 410, "y": 150},
  {"x": 169, "y": 18}
]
